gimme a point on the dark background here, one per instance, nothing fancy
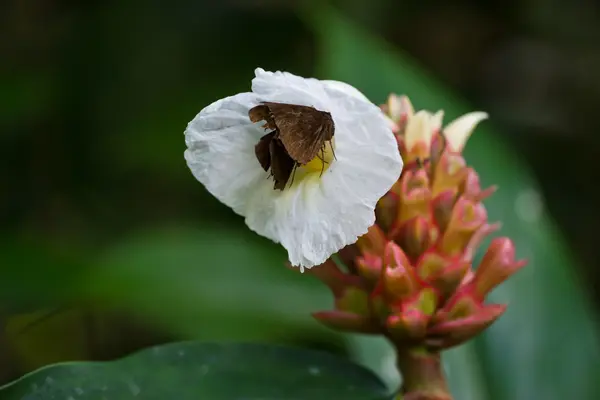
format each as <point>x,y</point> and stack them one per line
<point>99,210</point>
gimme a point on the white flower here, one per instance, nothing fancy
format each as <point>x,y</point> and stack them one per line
<point>326,207</point>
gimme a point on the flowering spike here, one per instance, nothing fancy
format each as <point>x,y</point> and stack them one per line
<point>412,280</point>
<point>497,265</point>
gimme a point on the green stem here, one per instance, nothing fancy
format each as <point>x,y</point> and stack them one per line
<point>422,375</point>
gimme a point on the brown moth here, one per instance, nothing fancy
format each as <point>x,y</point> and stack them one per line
<point>298,134</point>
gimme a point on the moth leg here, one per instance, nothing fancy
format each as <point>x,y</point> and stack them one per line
<point>322,157</point>
<point>332,151</point>
<point>323,161</point>
<point>293,174</point>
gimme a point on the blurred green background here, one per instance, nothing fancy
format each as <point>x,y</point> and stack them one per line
<point>110,245</point>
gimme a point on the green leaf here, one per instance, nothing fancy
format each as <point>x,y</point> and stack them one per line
<point>546,346</point>
<point>205,283</point>
<point>192,370</point>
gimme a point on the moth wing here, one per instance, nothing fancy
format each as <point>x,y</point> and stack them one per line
<point>302,130</point>
<point>282,164</point>
<point>263,152</point>
<point>262,113</point>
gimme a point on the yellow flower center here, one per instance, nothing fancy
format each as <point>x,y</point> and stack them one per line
<point>316,167</point>
<point>322,161</point>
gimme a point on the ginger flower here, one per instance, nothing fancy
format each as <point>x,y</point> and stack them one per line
<point>304,161</point>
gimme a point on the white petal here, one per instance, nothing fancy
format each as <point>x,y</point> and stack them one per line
<point>458,131</point>
<point>284,87</point>
<point>418,129</point>
<point>348,89</point>
<point>220,154</point>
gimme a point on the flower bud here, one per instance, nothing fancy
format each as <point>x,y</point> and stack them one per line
<point>373,241</point>
<point>481,233</point>
<point>462,304</point>
<point>417,137</point>
<point>412,318</point>
<point>387,210</point>
<point>431,264</point>
<point>497,265</point>
<point>399,108</point>
<point>415,195</point>
<point>415,236</point>
<point>444,274</point>
<point>467,217</point>
<point>399,280</point>
<point>353,299</point>
<point>437,149</point>
<point>454,332</point>
<point>379,305</point>
<point>369,267</point>
<point>449,173</point>
<point>425,301</point>
<point>442,206</point>
<point>471,187</point>
<point>348,255</point>
<point>410,324</point>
